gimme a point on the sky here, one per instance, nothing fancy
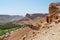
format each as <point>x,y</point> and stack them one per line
<point>21,7</point>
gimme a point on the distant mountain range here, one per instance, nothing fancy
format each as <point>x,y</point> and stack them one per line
<point>30,17</point>
<point>18,19</point>
<point>36,15</point>
<point>9,18</point>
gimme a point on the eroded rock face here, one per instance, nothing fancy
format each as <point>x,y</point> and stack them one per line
<point>54,7</point>
<point>54,14</point>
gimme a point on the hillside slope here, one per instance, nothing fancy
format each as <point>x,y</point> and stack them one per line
<point>52,33</point>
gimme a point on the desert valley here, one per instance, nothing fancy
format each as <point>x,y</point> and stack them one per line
<point>36,26</point>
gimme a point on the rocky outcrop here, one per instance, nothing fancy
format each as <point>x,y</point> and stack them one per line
<point>54,14</point>
<point>54,8</point>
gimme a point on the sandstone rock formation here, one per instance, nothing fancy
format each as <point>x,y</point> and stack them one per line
<point>54,11</point>
<point>54,14</point>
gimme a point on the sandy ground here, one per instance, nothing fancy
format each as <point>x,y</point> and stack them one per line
<point>52,33</point>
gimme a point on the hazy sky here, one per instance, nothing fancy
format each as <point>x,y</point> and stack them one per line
<point>21,7</point>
